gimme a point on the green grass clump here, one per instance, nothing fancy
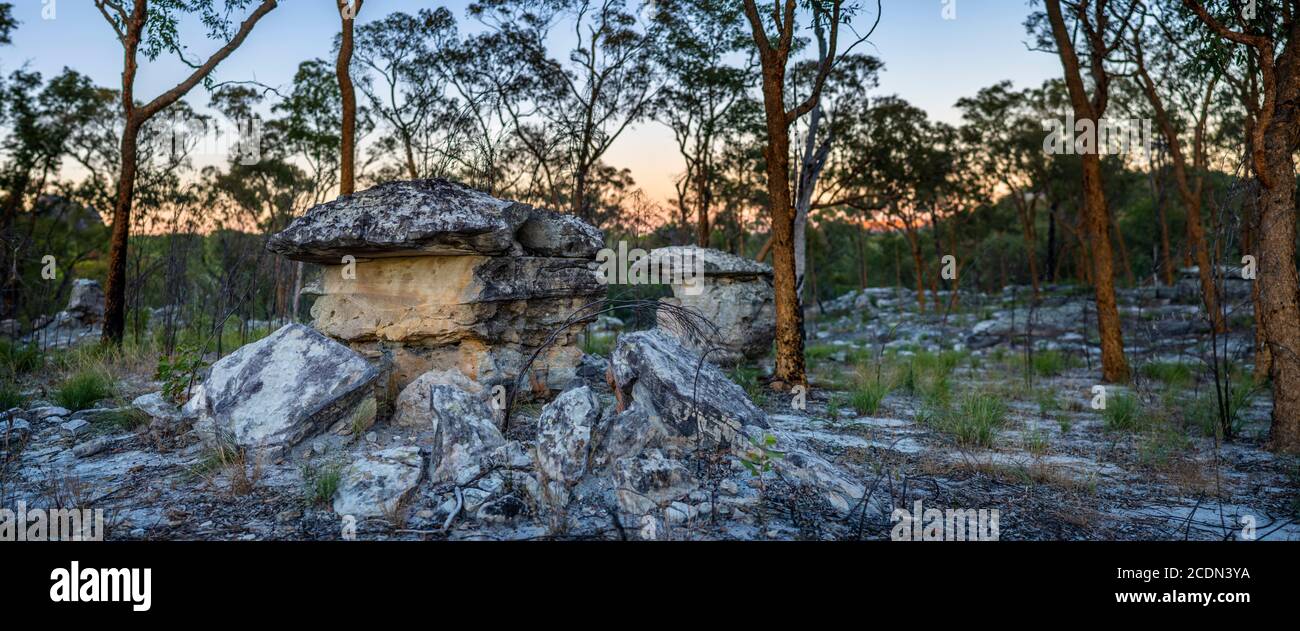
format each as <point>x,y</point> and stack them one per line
<point>977,419</point>
<point>1123,413</point>
<point>10,397</point>
<point>1050,363</point>
<point>16,359</point>
<point>820,351</point>
<point>1047,401</point>
<point>83,389</point>
<point>867,397</point>
<point>1177,374</point>
<point>128,419</point>
<point>321,483</point>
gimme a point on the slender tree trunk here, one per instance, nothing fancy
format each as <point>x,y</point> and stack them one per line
<point>342,68</point>
<point>1114,365</point>
<point>790,369</point>
<point>115,292</point>
<point>1051,243</point>
<point>1279,287</point>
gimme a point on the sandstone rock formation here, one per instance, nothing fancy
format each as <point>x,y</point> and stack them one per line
<point>277,391</point>
<point>441,276</point>
<point>732,293</point>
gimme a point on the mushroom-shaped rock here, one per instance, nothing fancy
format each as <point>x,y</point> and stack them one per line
<point>440,276</point>
<point>734,294</point>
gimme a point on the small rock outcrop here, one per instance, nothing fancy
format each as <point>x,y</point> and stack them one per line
<point>733,293</point>
<point>465,432</point>
<point>693,399</point>
<point>438,275</point>
<point>273,393</point>
<point>377,483</point>
<point>82,320</point>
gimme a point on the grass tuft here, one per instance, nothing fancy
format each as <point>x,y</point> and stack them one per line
<point>83,389</point>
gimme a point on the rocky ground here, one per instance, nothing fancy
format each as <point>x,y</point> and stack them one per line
<point>987,407</point>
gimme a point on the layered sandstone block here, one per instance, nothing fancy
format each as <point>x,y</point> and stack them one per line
<point>429,274</point>
<point>734,294</point>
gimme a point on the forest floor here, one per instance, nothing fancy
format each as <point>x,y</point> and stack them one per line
<point>954,411</point>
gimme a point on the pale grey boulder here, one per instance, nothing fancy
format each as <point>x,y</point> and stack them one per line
<point>694,400</point>
<point>86,301</point>
<point>376,484</point>
<point>548,233</point>
<point>414,407</point>
<point>650,481</point>
<point>564,442</point>
<point>157,407</point>
<point>434,217</point>
<point>276,392</point>
<point>465,434</point>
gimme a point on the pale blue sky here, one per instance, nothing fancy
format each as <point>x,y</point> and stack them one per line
<point>928,60</point>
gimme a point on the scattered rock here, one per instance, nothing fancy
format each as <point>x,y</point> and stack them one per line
<point>76,427</point>
<point>563,442</point>
<point>376,484</point>
<point>44,412</point>
<point>90,447</point>
<point>649,481</point>
<point>694,399</point>
<point>157,407</point>
<point>464,432</point>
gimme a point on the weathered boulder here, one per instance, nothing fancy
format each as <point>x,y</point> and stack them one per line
<point>414,407</point>
<point>157,407</point>
<point>465,434</point>
<point>732,293</point>
<point>442,276</point>
<point>86,301</point>
<point>564,442</point>
<point>273,393</point>
<point>694,400</point>
<point>376,484</point>
<point>650,480</point>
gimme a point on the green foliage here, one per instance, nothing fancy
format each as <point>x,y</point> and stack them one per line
<point>83,389</point>
<point>748,378</point>
<point>867,397</point>
<point>976,420</point>
<point>1047,401</point>
<point>10,397</point>
<point>19,359</point>
<point>599,345</point>
<point>759,457</point>
<point>178,371</point>
<point>820,351</point>
<point>1176,374</point>
<point>321,482</point>
<point>1052,363</point>
<point>1123,413</point>
<point>126,419</point>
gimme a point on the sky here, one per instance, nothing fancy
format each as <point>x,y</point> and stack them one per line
<point>929,60</point>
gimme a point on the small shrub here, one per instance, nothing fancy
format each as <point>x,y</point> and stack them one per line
<point>867,397</point>
<point>83,389</point>
<point>1123,413</point>
<point>321,483</point>
<point>976,420</point>
<point>177,372</point>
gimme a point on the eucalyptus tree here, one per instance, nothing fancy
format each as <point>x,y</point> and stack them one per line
<point>1269,37</point>
<point>348,11</point>
<point>152,28</point>
<point>709,69</point>
<point>1086,34</point>
<point>774,37</point>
